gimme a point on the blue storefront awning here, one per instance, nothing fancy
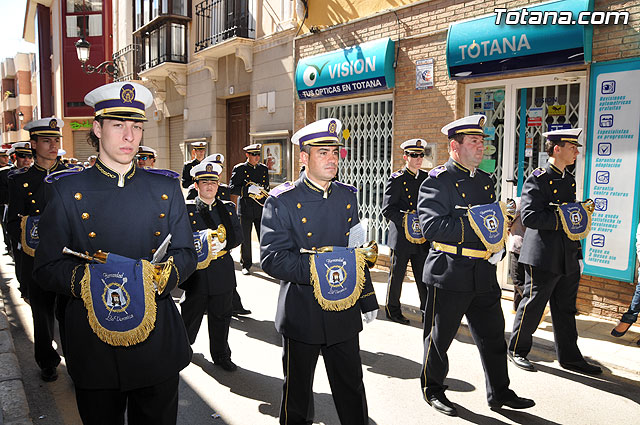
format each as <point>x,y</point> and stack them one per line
<point>480,47</point>
<point>364,67</point>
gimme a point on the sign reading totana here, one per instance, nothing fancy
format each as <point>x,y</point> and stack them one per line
<point>365,67</point>
<point>612,177</point>
<point>480,46</point>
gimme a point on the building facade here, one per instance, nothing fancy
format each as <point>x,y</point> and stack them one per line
<point>392,73</point>
<point>16,108</point>
<point>199,58</point>
<point>60,79</point>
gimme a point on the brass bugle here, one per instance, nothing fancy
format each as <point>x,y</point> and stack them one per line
<point>316,251</point>
<point>262,197</point>
<point>100,257</point>
<point>220,233</point>
<point>370,251</point>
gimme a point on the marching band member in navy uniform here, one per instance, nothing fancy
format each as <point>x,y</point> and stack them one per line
<point>5,166</point>
<point>460,272</point>
<point>124,213</point>
<point>146,157</point>
<point>211,287</point>
<point>198,150</point>
<point>27,200</point>
<point>398,206</point>
<point>223,192</point>
<point>250,181</point>
<point>22,157</point>
<point>552,261</point>
<point>309,214</point>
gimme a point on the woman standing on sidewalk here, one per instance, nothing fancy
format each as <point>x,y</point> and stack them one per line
<point>631,316</point>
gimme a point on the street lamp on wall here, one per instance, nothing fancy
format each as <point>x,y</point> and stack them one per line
<point>106,68</point>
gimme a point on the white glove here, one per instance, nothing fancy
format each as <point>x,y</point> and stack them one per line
<point>217,246</point>
<point>369,316</point>
<point>254,189</point>
<point>495,258</point>
<point>581,262</point>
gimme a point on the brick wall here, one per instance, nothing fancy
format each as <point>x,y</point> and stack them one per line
<point>422,30</point>
<point>604,297</point>
<point>612,42</point>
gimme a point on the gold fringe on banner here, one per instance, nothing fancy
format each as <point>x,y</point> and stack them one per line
<point>565,227</point>
<point>345,303</point>
<point>23,237</point>
<point>407,235</point>
<point>130,337</point>
<point>492,247</point>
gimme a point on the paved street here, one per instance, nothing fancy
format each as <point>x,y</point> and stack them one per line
<point>391,356</point>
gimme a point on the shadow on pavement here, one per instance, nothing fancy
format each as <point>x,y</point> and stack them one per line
<point>262,330</point>
<point>267,389</point>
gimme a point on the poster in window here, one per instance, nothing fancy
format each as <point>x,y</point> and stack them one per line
<point>273,157</point>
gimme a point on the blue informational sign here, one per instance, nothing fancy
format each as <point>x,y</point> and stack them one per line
<point>612,178</point>
<point>480,47</point>
<point>365,67</point>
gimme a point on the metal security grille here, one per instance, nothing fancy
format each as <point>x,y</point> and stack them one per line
<point>368,162</point>
<point>82,150</point>
<point>558,105</point>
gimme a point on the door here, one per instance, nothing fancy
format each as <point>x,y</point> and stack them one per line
<point>237,132</point>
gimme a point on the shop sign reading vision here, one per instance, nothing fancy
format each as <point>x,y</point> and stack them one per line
<point>612,178</point>
<point>365,67</point>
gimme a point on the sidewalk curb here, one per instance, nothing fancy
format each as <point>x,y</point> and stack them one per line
<point>13,399</point>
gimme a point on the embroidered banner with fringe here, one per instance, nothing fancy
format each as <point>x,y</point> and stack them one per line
<point>120,300</point>
<point>338,277</point>
<point>412,230</point>
<point>489,223</point>
<point>576,219</point>
<point>208,246</point>
<point>29,238</point>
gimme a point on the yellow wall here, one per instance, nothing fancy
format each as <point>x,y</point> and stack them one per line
<point>327,13</point>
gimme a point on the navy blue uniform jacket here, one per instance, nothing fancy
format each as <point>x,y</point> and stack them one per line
<point>545,243</point>
<point>448,186</point>
<point>88,212</point>
<point>220,276</point>
<point>401,194</point>
<point>302,218</point>
<point>241,175</point>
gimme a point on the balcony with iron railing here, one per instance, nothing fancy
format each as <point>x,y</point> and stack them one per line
<point>224,27</point>
<point>126,59</point>
<point>220,20</point>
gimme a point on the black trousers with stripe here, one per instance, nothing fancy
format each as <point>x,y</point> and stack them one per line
<point>443,313</point>
<point>156,404</point>
<point>344,370</point>
<point>399,261</point>
<point>540,287</point>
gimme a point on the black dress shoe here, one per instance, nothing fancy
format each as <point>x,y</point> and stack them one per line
<point>399,318</point>
<point>241,312</point>
<point>227,365</point>
<point>513,402</point>
<point>49,374</point>
<point>618,333</point>
<point>441,403</point>
<point>582,367</point>
<point>521,362</point>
